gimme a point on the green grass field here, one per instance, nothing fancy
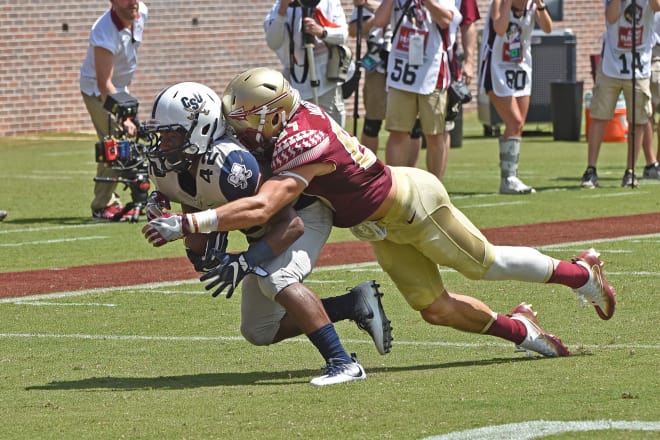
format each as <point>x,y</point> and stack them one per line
<point>167,361</point>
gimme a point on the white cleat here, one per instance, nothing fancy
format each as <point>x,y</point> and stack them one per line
<point>336,373</point>
<point>513,185</point>
<point>596,292</point>
<point>537,339</point>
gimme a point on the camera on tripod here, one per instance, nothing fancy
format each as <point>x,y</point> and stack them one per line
<point>126,155</point>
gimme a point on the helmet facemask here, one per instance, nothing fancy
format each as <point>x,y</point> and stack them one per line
<point>187,118</point>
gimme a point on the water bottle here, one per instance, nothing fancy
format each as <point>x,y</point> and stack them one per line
<point>587,99</point>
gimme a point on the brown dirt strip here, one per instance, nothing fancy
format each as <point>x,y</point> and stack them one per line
<point>16,284</point>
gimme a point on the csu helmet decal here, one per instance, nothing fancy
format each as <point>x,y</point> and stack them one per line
<point>195,105</point>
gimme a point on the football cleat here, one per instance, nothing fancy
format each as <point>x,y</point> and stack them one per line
<point>338,371</point>
<point>596,291</point>
<point>537,339</point>
<point>513,185</point>
<point>369,315</point>
<point>111,213</point>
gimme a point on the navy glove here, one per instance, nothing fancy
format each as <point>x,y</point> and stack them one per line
<point>230,273</point>
<point>216,246</point>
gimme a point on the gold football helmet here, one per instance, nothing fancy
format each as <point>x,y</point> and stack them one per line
<point>257,104</point>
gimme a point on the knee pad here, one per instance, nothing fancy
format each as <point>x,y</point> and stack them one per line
<point>371,127</point>
<point>416,131</point>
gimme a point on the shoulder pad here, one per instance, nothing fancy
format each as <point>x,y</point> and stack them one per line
<point>298,149</point>
<point>239,174</point>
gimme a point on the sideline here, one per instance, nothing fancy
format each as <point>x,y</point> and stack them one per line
<point>542,428</point>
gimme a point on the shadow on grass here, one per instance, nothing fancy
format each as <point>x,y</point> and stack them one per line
<point>53,221</point>
<point>187,381</point>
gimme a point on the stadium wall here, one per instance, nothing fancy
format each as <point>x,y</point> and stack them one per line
<point>43,42</point>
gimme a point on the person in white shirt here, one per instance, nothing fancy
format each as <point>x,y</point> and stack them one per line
<point>615,75</point>
<point>288,26</point>
<point>505,75</point>
<point>108,68</point>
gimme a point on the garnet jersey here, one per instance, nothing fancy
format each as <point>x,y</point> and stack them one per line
<point>225,173</point>
<point>359,183</point>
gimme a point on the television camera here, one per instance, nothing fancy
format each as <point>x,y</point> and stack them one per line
<point>126,154</point>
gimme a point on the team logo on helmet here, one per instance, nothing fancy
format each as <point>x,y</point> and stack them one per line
<point>239,175</point>
<point>195,105</point>
<point>240,114</point>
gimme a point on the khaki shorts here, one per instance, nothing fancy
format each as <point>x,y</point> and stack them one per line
<point>425,230</point>
<point>606,93</point>
<point>375,96</point>
<point>404,107</point>
<point>655,77</point>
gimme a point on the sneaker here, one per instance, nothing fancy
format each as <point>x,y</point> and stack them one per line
<point>590,178</point>
<point>597,292</point>
<point>369,315</point>
<point>339,371</point>
<point>537,339</point>
<point>3,215</point>
<point>111,213</point>
<point>513,185</point>
<point>629,180</point>
<point>652,171</point>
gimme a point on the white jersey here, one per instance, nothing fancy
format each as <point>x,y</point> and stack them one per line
<point>285,37</point>
<point>430,70</point>
<point>506,60</point>
<point>226,172</point>
<point>617,54</point>
<point>121,42</point>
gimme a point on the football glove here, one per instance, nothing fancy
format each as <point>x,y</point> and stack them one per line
<point>216,247</point>
<point>157,205</point>
<point>166,228</point>
<point>230,273</point>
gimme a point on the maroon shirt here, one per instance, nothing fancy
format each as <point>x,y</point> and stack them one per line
<point>359,183</point>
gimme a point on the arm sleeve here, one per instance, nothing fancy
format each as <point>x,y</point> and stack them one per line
<point>275,28</point>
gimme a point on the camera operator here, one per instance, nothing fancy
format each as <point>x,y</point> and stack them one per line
<point>109,65</point>
<point>290,25</point>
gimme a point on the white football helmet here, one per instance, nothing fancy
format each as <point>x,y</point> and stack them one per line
<point>192,109</point>
<point>257,104</point>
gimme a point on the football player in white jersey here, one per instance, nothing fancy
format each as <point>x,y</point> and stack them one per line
<point>505,74</point>
<point>197,165</point>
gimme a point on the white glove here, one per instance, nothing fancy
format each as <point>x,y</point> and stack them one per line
<point>162,230</point>
<point>157,205</point>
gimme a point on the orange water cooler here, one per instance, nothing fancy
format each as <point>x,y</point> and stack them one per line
<point>616,129</point>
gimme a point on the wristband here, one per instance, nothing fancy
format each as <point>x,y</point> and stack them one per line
<point>258,253</point>
<point>542,8</point>
<point>205,221</point>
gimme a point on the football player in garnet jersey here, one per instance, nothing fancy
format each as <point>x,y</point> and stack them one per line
<point>197,165</point>
<point>406,213</point>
